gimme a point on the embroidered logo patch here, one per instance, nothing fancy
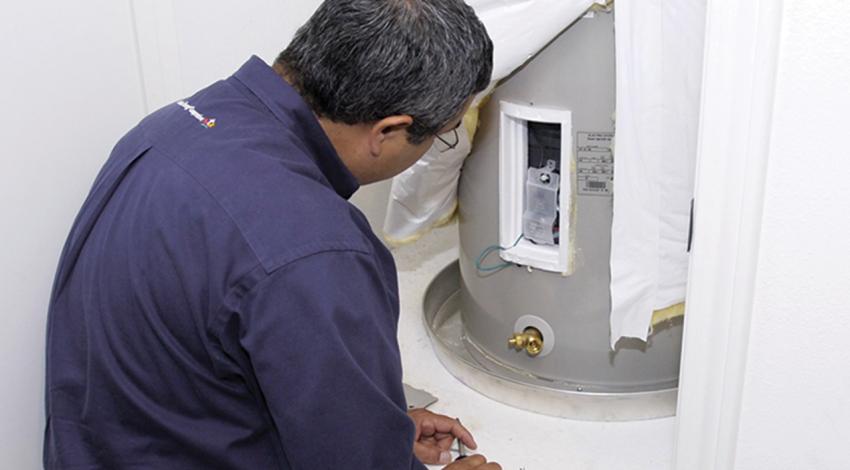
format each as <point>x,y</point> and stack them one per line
<point>209,123</point>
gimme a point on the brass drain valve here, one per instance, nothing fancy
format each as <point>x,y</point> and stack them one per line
<point>530,339</point>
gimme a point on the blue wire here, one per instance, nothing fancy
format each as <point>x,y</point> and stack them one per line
<point>484,254</point>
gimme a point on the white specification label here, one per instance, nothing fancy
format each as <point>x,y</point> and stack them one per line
<point>595,164</point>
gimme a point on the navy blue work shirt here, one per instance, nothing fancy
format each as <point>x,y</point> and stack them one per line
<point>219,303</point>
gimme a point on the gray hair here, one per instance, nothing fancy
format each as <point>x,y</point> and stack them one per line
<point>359,61</point>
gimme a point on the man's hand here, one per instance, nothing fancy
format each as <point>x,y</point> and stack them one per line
<point>473,462</point>
<point>435,435</point>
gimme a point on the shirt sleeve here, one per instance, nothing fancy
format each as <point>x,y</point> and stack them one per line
<point>321,337</point>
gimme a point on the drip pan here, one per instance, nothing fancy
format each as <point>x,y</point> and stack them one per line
<point>505,384</point>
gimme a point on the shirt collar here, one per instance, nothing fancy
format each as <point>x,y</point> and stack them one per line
<point>290,109</point>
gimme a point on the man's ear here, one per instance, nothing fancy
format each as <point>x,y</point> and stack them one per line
<point>388,129</point>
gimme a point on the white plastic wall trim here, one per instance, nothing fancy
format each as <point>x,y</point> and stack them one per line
<point>742,45</point>
<point>158,52</point>
<point>513,164</point>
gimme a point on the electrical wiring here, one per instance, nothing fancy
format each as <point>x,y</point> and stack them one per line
<point>490,249</point>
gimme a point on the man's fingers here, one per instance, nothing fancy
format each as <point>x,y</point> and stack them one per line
<point>473,462</point>
<point>431,455</point>
<point>430,424</point>
<point>489,466</point>
<point>453,426</point>
<point>443,435</point>
<point>427,426</point>
<point>445,443</point>
<point>440,424</point>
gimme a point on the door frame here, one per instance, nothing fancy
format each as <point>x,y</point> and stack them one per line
<point>739,74</point>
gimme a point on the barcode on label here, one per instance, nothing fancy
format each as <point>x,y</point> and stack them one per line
<point>597,184</point>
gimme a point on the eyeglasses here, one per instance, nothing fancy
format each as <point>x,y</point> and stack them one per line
<point>446,144</point>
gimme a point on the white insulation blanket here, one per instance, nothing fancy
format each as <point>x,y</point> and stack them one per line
<point>659,74</point>
<point>659,64</point>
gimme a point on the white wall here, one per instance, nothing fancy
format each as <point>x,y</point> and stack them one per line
<point>69,89</point>
<point>188,44</point>
<point>796,404</point>
<point>75,77</point>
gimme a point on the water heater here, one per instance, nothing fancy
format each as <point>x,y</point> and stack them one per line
<point>528,322</point>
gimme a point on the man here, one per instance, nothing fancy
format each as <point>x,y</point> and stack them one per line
<point>219,303</point>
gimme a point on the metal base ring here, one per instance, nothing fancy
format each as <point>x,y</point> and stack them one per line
<point>444,325</point>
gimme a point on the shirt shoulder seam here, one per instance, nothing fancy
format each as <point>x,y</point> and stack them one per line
<point>236,295</point>
<point>223,209</point>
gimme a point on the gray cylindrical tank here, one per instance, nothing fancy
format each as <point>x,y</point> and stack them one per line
<point>576,72</point>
